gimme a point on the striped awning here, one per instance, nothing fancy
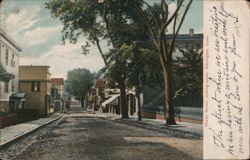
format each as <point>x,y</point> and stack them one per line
<point>112,100</point>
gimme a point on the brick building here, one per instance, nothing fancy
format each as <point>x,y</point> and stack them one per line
<point>59,84</point>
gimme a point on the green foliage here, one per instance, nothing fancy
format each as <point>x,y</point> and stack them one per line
<point>78,82</point>
<point>92,19</point>
<point>188,70</point>
<point>143,65</point>
<point>126,24</point>
<point>137,63</point>
<point>114,21</point>
<point>4,75</point>
<point>117,71</point>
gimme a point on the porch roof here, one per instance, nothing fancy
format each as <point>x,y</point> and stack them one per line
<point>18,95</point>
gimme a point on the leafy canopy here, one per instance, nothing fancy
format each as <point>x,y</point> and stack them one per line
<point>78,82</point>
<point>188,69</point>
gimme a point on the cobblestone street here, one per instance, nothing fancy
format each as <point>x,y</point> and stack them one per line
<point>85,136</point>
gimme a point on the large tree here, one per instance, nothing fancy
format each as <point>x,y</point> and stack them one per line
<point>116,21</point>
<point>78,82</point>
<point>142,68</point>
<point>160,22</point>
<point>113,21</point>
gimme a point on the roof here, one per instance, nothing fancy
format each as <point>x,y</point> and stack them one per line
<point>57,81</point>
<point>100,83</point>
<point>17,95</point>
<point>33,73</point>
<point>35,66</point>
<point>186,37</point>
<point>10,40</point>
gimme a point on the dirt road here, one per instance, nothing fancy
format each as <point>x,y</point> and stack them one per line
<point>91,138</point>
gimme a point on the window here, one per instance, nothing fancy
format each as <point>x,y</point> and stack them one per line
<point>7,56</point>
<point>6,87</point>
<point>36,86</point>
<point>12,86</point>
<point>13,63</point>
<point>0,51</point>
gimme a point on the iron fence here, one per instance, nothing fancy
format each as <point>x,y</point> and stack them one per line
<point>180,111</point>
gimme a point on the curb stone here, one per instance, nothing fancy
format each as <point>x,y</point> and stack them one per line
<point>166,129</point>
<point>23,135</point>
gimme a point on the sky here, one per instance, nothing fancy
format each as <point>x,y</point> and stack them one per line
<point>30,24</point>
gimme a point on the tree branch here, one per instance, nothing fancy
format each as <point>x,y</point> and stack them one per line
<point>166,10</point>
<point>151,30</point>
<point>151,14</point>
<point>162,31</point>
<point>162,10</point>
<point>178,92</point>
<point>172,17</point>
<point>107,26</point>
<point>175,20</point>
<point>100,49</point>
<point>179,26</point>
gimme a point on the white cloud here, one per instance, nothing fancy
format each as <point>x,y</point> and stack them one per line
<point>63,58</point>
<point>20,20</point>
<point>172,7</point>
<point>40,35</point>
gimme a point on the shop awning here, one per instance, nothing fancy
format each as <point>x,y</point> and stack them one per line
<point>18,96</point>
<point>112,100</point>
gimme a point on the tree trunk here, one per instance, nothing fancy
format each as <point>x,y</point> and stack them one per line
<point>82,102</point>
<point>87,104</point>
<point>123,103</point>
<point>138,92</point>
<point>169,113</point>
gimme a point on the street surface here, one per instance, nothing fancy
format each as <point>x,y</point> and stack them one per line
<point>82,136</point>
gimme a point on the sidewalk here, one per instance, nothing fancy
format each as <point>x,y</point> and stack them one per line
<point>181,127</point>
<point>12,133</point>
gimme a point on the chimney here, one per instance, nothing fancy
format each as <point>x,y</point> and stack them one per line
<point>191,31</point>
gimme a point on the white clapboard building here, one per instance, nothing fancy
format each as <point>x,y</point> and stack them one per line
<point>9,58</point>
